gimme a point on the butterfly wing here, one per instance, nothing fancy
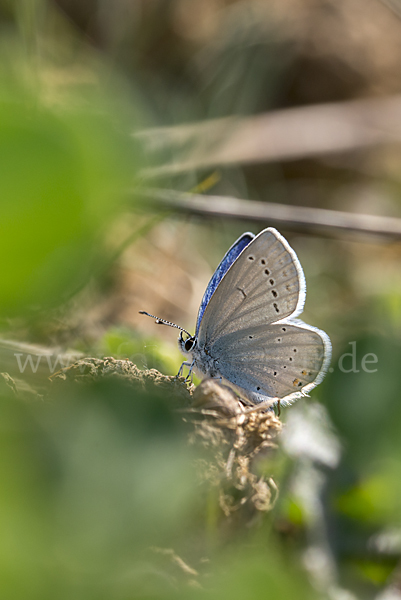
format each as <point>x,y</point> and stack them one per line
<point>228,259</point>
<point>264,285</point>
<point>273,361</point>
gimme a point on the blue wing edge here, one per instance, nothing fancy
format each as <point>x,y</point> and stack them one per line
<point>231,256</point>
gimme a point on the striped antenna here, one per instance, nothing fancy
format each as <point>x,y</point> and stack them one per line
<point>164,322</point>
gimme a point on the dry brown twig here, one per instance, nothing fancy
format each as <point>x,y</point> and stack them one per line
<point>293,217</point>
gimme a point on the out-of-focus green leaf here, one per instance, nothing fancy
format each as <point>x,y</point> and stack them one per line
<point>372,501</point>
<point>363,397</point>
<point>375,572</point>
<point>256,574</point>
<point>91,482</point>
<point>63,176</point>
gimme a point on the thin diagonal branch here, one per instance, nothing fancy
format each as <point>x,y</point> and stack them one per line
<point>292,217</point>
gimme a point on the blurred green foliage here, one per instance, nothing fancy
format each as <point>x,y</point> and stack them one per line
<point>96,484</point>
<point>64,172</point>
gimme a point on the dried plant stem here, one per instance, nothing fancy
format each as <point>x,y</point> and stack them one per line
<point>292,217</point>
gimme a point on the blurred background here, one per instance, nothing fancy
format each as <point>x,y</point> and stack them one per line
<point>102,105</point>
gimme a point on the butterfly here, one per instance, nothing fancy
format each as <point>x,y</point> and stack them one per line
<point>247,331</point>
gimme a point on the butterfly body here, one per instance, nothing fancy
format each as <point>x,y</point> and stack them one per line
<point>247,329</point>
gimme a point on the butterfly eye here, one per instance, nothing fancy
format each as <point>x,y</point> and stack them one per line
<point>190,344</point>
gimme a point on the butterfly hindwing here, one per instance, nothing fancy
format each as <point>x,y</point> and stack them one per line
<point>273,361</point>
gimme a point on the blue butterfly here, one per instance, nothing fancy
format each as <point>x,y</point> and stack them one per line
<point>247,330</point>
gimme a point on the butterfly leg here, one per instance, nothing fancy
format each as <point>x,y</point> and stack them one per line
<point>181,369</point>
<point>190,374</point>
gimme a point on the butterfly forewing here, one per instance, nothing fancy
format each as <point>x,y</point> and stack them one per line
<point>264,285</point>
<point>230,256</point>
<point>274,360</point>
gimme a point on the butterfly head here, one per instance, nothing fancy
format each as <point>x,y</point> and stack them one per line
<point>186,342</point>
